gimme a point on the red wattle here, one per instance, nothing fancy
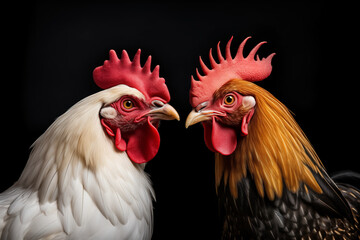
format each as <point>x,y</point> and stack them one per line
<point>219,138</point>
<point>140,145</point>
<point>207,135</point>
<point>143,144</point>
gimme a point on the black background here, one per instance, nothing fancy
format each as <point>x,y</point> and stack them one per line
<point>50,49</point>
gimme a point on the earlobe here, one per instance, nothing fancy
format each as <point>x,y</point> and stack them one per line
<point>108,112</point>
<point>248,102</point>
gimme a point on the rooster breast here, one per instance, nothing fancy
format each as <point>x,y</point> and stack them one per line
<point>304,214</point>
<point>112,203</point>
<point>91,208</point>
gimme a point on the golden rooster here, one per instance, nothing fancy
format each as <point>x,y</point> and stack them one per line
<point>269,180</point>
<point>85,176</point>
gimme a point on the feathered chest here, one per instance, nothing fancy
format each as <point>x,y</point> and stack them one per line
<point>121,204</point>
<point>80,203</point>
<point>298,215</point>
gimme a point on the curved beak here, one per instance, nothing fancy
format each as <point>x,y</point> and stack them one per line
<point>200,116</point>
<point>165,112</point>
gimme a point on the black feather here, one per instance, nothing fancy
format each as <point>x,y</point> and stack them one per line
<point>331,201</point>
<point>347,177</point>
<point>303,214</point>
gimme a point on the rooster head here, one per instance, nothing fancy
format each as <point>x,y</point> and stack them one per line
<point>132,120</point>
<point>222,108</point>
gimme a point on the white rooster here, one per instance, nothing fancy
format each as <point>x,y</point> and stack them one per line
<point>85,175</point>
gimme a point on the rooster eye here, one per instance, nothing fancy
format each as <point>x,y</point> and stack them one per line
<point>128,104</point>
<point>229,99</point>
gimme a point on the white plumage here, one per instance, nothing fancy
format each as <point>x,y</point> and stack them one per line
<point>77,185</point>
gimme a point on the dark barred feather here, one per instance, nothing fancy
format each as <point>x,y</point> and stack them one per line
<point>304,214</point>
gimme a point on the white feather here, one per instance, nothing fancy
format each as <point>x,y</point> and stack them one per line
<point>77,185</point>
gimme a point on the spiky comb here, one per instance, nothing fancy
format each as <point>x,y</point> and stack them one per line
<point>228,68</point>
<point>117,71</point>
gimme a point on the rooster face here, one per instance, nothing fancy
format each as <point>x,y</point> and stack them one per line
<point>133,123</point>
<point>132,120</point>
<point>219,103</point>
<point>227,112</point>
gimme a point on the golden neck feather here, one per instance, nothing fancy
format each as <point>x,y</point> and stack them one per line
<point>275,152</point>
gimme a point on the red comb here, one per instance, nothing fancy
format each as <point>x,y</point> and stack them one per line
<point>227,69</point>
<point>117,71</point>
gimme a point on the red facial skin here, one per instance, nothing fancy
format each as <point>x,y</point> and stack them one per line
<point>131,117</point>
<point>134,131</point>
<point>224,106</point>
<point>227,119</point>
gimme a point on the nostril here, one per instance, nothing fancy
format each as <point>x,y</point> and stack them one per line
<point>201,106</point>
<point>157,103</point>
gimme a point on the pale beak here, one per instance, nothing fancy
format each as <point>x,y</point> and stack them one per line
<point>200,116</point>
<point>165,112</point>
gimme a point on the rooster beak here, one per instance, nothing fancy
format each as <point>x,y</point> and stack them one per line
<point>196,117</point>
<point>200,116</point>
<point>165,112</point>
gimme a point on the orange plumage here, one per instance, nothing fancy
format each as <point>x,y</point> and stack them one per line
<point>275,150</point>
